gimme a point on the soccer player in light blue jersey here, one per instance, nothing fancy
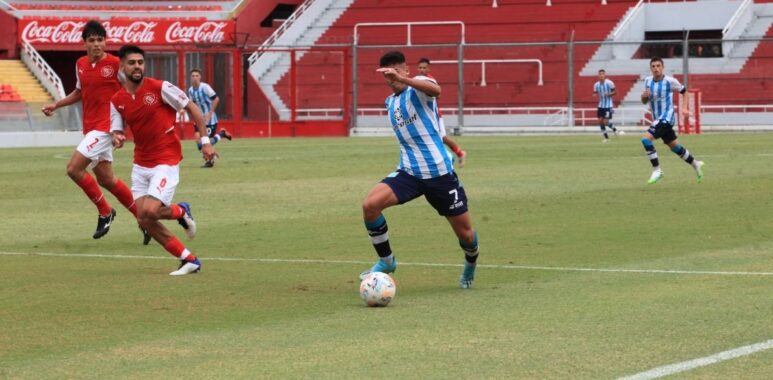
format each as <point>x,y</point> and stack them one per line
<point>205,97</point>
<point>425,168</point>
<point>604,89</point>
<point>659,94</point>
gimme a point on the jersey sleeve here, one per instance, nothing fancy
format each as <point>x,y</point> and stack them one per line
<point>612,86</point>
<point>116,120</point>
<point>676,86</point>
<point>208,91</point>
<point>423,96</point>
<point>77,78</point>
<point>173,96</point>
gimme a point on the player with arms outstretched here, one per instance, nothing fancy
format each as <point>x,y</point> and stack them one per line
<point>97,81</point>
<point>149,107</point>
<point>659,94</point>
<point>425,168</point>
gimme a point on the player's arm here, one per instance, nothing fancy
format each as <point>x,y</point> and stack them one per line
<point>428,87</point>
<point>116,127</point>
<point>215,102</point>
<point>71,98</point>
<point>684,108</point>
<point>613,92</point>
<point>645,96</point>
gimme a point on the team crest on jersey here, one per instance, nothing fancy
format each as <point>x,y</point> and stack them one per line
<point>107,71</point>
<point>150,99</point>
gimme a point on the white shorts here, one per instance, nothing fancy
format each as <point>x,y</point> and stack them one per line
<point>159,182</point>
<point>97,146</point>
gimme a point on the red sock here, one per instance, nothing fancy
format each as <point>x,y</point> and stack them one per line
<point>90,187</point>
<point>177,211</point>
<point>124,195</point>
<point>178,250</point>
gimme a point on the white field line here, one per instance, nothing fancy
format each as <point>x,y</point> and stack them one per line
<point>402,263</point>
<point>700,362</point>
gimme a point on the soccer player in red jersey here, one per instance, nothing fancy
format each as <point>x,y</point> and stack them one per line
<point>97,74</point>
<point>149,107</point>
<point>424,70</point>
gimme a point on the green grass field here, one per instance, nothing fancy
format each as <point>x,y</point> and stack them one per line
<point>282,242</point>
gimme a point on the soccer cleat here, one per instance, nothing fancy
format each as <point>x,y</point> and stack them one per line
<point>468,276</point>
<point>224,134</point>
<point>187,221</point>
<point>656,176</point>
<point>103,224</point>
<point>382,267</point>
<point>462,159</point>
<point>699,170</point>
<point>604,141</point>
<point>208,164</point>
<point>187,267</point>
<point>145,236</point>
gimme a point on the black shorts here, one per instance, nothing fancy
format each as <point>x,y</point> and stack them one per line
<point>663,130</point>
<point>604,113</point>
<point>445,193</point>
<point>211,130</point>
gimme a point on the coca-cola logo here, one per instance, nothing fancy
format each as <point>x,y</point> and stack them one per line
<point>66,32</point>
<point>209,32</point>
<point>138,32</point>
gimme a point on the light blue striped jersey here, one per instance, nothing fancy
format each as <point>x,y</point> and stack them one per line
<point>413,115</point>
<point>203,96</point>
<point>662,98</point>
<point>603,89</point>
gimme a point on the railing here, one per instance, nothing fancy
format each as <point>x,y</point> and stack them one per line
<point>40,68</point>
<point>408,25</point>
<point>736,16</point>
<point>636,9</point>
<point>279,31</point>
<point>483,63</point>
<point>747,108</point>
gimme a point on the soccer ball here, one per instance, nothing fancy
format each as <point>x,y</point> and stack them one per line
<point>377,289</point>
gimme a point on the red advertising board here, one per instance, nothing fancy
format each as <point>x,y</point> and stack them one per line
<point>129,31</point>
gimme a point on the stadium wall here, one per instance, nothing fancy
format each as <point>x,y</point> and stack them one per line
<point>8,25</point>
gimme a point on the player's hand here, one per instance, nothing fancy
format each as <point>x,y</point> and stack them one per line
<point>207,151</point>
<point>48,109</point>
<point>389,72</point>
<point>118,140</point>
<point>646,93</point>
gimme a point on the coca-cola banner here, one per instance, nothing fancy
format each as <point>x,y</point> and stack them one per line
<point>130,31</point>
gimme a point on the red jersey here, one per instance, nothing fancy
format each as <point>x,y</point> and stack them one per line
<point>150,113</point>
<point>97,82</point>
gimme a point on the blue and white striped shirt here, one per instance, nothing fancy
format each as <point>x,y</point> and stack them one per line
<point>413,115</point>
<point>662,98</point>
<point>604,91</point>
<point>203,96</point>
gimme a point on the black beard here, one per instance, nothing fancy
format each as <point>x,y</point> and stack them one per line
<point>135,81</point>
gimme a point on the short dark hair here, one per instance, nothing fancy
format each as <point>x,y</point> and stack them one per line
<point>130,49</point>
<point>391,58</point>
<point>602,71</point>
<point>656,59</point>
<point>93,28</point>
<point>195,71</point>
<point>424,60</point>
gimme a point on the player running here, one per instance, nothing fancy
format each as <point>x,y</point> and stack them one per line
<point>207,100</point>
<point>149,107</point>
<point>425,168</point>
<point>604,89</point>
<point>659,94</point>
<point>97,81</point>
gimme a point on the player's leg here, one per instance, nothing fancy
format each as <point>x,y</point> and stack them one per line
<point>447,195</point>
<point>685,155</point>
<point>608,121</point>
<point>107,179</point>
<point>647,139</point>
<point>214,138</point>
<point>397,188</point>
<point>150,210</point>
<point>600,113</point>
<point>76,169</point>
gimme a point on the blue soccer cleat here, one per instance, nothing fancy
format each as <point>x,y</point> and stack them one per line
<point>468,276</point>
<point>382,267</point>
<point>187,221</point>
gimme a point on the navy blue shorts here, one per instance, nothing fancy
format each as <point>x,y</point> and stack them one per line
<point>663,130</point>
<point>211,130</point>
<point>444,193</point>
<point>604,113</point>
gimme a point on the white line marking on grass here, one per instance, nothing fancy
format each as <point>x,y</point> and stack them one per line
<point>402,263</point>
<point>700,362</point>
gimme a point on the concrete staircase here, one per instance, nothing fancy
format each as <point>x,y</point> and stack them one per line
<point>15,73</point>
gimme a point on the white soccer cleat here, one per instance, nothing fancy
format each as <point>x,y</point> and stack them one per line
<point>604,141</point>
<point>698,166</point>
<point>656,176</point>
<point>187,267</point>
